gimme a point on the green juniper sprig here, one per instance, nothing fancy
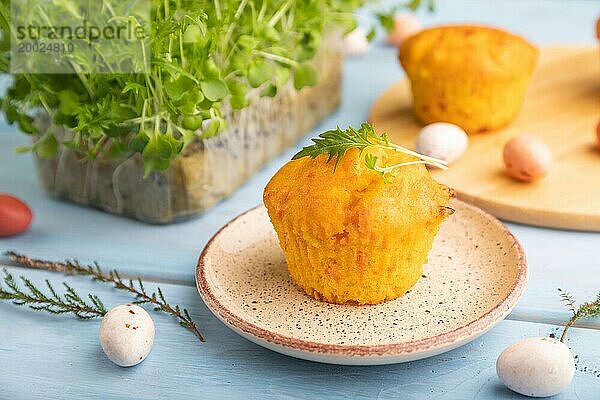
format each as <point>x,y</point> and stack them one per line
<point>134,286</point>
<point>335,143</point>
<point>586,310</point>
<point>53,303</point>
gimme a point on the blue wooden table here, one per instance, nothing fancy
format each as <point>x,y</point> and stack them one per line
<point>47,357</point>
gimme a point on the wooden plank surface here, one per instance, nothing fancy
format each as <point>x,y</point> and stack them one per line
<point>60,357</point>
<point>561,106</point>
<point>556,258</point>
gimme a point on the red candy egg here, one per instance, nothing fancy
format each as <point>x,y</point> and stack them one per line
<point>15,215</point>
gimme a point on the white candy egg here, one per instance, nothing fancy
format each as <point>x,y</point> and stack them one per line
<point>536,367</point>
<point>442,140</point>
<point>127,334</point>
<point>356,43</point>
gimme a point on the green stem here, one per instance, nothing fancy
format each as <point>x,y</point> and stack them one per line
<point>404,164</point>
<point>277,16</point>
<point>431,160</point>
<point>240,9</point>
<point>275,57</point>
<point>218,9</point>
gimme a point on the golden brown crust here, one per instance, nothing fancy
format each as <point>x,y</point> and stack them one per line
<point>468,75</point>
<point>349,235</point>
<point>468,49</point>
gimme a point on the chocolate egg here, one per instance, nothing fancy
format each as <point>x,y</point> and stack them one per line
<point>527,158</point>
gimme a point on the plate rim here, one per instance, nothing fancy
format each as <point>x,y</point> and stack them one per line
<point>472,329</point>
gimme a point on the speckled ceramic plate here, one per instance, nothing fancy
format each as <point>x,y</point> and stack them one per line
<point>476,274</point>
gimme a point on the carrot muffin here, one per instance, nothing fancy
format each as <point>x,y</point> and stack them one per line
<point>471,76</point>
<point>353,236</point>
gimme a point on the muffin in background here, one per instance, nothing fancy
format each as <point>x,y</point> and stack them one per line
<point>350,236</point>
<point>471,76</point>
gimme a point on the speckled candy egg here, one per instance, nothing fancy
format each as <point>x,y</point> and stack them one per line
<point>527,158</point>
<point>443,141</point>
<point>536,367</point>
<point>356,43</point>
<point>127,335</point>
<point>405,25</point>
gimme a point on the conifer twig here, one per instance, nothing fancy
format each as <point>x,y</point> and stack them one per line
<point>586,310</point>
<point>53,303</point>
<point>157,299</point>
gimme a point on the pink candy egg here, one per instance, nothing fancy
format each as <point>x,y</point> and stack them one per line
<point>527,158</point>
<point>405,25</point>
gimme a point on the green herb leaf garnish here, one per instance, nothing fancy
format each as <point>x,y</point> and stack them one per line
<point>335,143</point>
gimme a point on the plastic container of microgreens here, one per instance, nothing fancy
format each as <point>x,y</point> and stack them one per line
<point>208,170</point>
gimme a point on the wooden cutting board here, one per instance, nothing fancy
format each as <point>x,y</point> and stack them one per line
<point>562,106</point>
